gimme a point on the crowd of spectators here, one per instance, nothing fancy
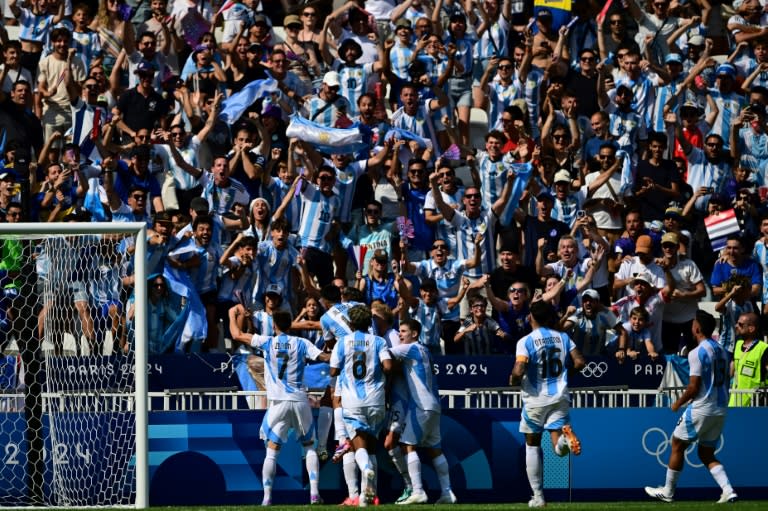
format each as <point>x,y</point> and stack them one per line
<point>609,142</point>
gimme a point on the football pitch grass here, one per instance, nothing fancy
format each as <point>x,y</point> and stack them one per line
<point>579,506</point>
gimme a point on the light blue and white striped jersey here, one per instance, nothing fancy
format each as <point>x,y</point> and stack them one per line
<point>274,266</point>
<point>493,42</point>
<point>400,58</point>
<point>628,128</point>
<point>710,362</point>
<point>359,357</point>
<point>230,288</point>
<point>448,279</point>
<point>702,172</point>
<point>88,47</point>
<point>292,214</point>
<point>663,94</point>
<point>730,105</point>
<point>546,378</point>
<point>466,231</point>
<point>108,284</point>
<point>500,97</point>
<point>34,27</point>
<point>346,179</point>
<point>316,111</point>
<point>354,82</point>
<point>380,237</point>
<point>263,324</point>
<point>493,175</point>
<point>761,80</point>
<point>465,49</point>
<point>431,319</point>
<point>204,276</point>
<point>335,321</point>
<point>531,94</point>
<point>285,358</point>
<point>421,124</point>
<point>753,148</point>
<point>222,198</point>
<point>760,254</point>
<point>317,213</point>
<point>444,230</point>
<point>417,371</point>
<point>182,179</point>
<point>591,335</point>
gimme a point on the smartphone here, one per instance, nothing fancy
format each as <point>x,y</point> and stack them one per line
<point>710,189</point>
<point>581,213</point>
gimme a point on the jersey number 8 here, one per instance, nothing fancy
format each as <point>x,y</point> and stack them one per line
<point>359,366</point>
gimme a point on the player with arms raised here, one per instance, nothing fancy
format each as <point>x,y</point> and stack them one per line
<point>541,367</point>
<point>703,420</point>
<point>360,360</point>
<point>285,357</point>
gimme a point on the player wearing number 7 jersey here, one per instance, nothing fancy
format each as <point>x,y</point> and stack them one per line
<point>703,420</point>
<point>361,360</point>
<point>541,366</point>
<point>285,358</point>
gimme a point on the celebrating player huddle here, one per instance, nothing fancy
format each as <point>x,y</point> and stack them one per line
<point>370,370</point>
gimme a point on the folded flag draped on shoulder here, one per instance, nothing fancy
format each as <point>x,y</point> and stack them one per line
<point>87,121</point>
<point>627,173</point>
<point>330,140</point>
<point>401,134</point>
<point>720,226</point>
<point>234,106</point>
<point>191,324</point>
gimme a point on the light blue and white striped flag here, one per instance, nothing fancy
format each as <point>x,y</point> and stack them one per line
<point>234,106</point>
<point>330,140</point>
<point>401,134</point>
<point>523,171</point>
<point>191,324</point>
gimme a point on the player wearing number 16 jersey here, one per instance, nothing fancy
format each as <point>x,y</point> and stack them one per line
<point>360,360</point>
<point>285,358</point>
<point>542,363</point>
<point>703,420</point>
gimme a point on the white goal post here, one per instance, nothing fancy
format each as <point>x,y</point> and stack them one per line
<point>73,398</point>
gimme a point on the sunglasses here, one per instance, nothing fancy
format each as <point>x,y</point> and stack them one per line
<point>617,22</point>
<point>516,290</point>
<point>439,247</point>
<point>471,195</point>
<point>559,137</point>
<point>92,87</point>
<point>505,67</point>
<point>326,178</point>
<point>139,196</point>
<point>373,211</point>
<point>309,14</point>
<point>177,133</point>
<point>587,59</point>
<point>142,137</point>
<point>715,145</point>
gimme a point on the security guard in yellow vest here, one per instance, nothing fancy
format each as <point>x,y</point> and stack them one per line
<point>749,368</point>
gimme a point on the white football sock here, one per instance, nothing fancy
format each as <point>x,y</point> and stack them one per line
<point>340,431</point>
<point>350,474</point>
<point>671,483</point>
<point>721,478</point>
<point>414,470</point>
<point>324,417</point>
<point>268,472</point>
<point>534,467</point>
<point>443,473</point>
<point>313,470</point>
<point>401,465</point>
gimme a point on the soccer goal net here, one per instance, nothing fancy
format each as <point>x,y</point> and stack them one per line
<point>73,406</point>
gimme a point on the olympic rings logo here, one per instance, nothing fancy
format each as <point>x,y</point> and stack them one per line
<point>659,438</point>
<point>594,369</point>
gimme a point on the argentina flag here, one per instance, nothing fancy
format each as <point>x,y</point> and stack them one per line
<point>401,134</point>
<point>330,140</point>
<point>234,106</point>
<point>523,171</point>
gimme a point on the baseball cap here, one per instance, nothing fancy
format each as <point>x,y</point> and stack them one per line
<point>403,23</point>
<point>145,67</point>
<point>726,69</point>
<point>381,255</point>
<point>331,79</point>
<point>291,19</point>
<point>696,40</point>
<point>544,13</point>
<point>642,277</point>
<point>590,293</point>
<point>8,175</point>
<point>201,47</point>
<point>260,18</point>
<point>562,176</point>
<point>673,57</point>
<point>644,244</point>
<point>274,289</point>
<point>673,212</point>
<point>545,195</point>
<point>670,237</point>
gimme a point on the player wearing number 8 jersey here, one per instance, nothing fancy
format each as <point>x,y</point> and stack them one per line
<point>360,360</point>
<point>704,418</point>
<point>542,363</point>
<point>285,358</point>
